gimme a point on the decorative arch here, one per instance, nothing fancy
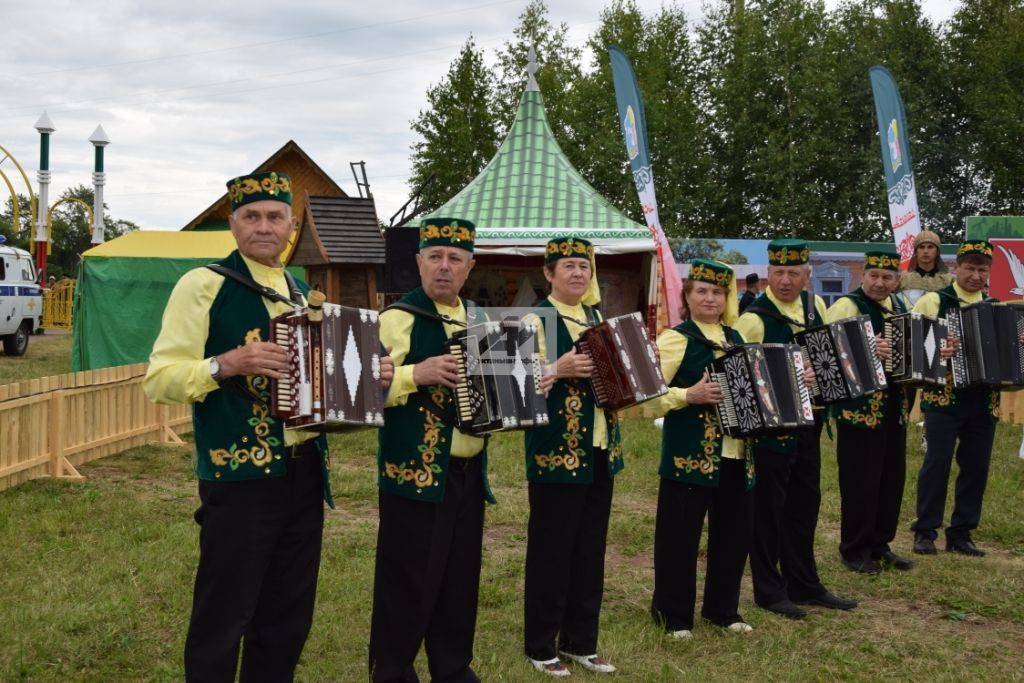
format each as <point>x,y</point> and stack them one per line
<point>14,196</point>
<point>49,218</point>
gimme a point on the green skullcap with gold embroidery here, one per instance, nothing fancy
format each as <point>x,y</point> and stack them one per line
<point>978,247</point>
<point>447,232</point>
<point>256,187</point>
<point>788,252</point>
<point>886,259</point>
<point>568,247</point>
<point>708,270</point>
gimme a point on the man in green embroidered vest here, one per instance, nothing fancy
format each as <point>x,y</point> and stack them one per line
<point>432,477</point>
<point>871,436</point>
<point>570,465</point>
<point>967,415</point>
<point>926,271</point>
<point>261,487</point>
<point>788,491</point>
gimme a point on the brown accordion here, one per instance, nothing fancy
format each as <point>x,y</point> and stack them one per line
<point>333,379</point>
<point>990,352</point>
<point>500,367</point>
<point>626,369</point>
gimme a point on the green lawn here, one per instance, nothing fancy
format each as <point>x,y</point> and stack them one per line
<point>96,576</point>
<point>48,354</point>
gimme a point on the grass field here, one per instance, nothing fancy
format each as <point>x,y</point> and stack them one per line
<point>96,576</point>
<point>48,354</point>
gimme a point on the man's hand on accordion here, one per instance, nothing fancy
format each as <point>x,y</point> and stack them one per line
<point>882,346</point>
<point>949,347</point>
<point>574,364</point>
<point>387,371</point>
<point>442,370</point>
<point>259,358</point>
<point>704,391</point>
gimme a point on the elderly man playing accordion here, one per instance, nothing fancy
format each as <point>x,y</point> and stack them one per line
<point>703,471</point>
<point>871,441</point>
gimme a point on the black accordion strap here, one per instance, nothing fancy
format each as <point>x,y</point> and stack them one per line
<point>416,310</point>
<point>236,386</point>
<point>715,346</point>
<point>265,292</point>
<point>777,316</point>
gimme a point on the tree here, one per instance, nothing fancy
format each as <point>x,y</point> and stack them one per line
<point>685,250</point>
<point>71,231</point>
<point>457,131</point>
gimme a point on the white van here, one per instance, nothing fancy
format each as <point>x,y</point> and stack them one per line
<point>21,299</point>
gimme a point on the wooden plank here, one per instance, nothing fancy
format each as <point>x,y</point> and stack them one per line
<point>111,439</point>
<point>57,434</point>
<point>24,465</point>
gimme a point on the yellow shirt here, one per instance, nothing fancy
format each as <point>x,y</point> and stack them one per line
<point>928,304</point>
<point>178,371</point>
<point>751,328</point>
<point>671,349</point>
<point>846,308</point>
<point>395,334</point>
<point>577,312</point>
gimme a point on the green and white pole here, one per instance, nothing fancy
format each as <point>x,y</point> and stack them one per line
<point>45,127</point>
<point>99,140</point>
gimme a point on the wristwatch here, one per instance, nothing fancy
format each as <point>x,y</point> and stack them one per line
<point>215,369</point>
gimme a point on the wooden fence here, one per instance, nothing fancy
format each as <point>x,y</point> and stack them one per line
<point>50,425</point>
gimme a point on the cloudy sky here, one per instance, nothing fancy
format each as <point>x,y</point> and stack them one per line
<point>192,93</point>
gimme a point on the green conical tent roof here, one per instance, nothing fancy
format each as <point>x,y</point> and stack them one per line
<point>530,192</point>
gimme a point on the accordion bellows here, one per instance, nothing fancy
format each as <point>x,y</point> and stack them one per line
<point>333,381</point>
<point>844,358</point>
<point>499,368</point>
<point>626,370</point>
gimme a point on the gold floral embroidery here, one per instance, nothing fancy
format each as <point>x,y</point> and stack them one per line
<point>707,464</point>
<point>261,453</point>
<point>422,476</point>
<point>571,460</point>
<point>870,419</point>
<point>943,398</point>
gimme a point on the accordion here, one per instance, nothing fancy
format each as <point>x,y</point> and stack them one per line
<point>990,352</point>
<point>845,361</point>
<point>916,341</point>
<point>763,389</point>
<point>333,379</point>
<point>626,369</point>
<point>499,366</point>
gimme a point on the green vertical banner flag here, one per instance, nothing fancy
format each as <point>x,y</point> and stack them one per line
<point>899,177</point>
<point>634,130</point>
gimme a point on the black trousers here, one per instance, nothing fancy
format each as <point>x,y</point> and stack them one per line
<point>567,534</point>
<point>259,557</point>
<point>681,510</point>
<point>786,501</point>
<point>974,429</point>
<point>427,579</point>
<point>872,472</point>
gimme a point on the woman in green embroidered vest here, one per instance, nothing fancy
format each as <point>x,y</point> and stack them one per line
<point>871,433</point>
<point>570,465</point>
<point>702,470</point>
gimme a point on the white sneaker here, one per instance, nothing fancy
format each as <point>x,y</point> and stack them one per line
<point>591,663</point>
<point>682,634</point>
<point>551,667</point>
<point>740,627</point>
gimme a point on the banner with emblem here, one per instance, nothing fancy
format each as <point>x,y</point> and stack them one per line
<point>634,130</point>
<point>899,178</point>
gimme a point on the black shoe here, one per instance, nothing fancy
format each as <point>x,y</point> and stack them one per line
<point>869,567</point>
<point>785,608</point>
<point>964,547</point>
<point>830,601</point>
<point>895,561</point>
<point>924,546</point>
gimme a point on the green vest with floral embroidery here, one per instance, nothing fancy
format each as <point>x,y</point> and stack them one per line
<point>236,437</point>
<point>868,412</point>
<point>945,399</point>
<point>414,446</point>
<point>691,438</point>
<point>563,451</point>
<point>779,332</point>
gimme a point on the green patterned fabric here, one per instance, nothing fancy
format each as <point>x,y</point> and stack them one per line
<point>530,184</point>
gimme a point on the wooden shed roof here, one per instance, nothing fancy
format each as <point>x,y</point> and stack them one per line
<point>339,230</point>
